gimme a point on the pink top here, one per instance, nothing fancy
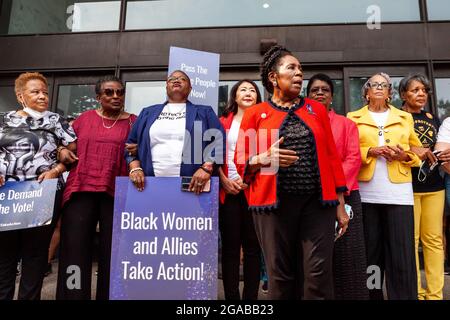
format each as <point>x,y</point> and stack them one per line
<point>100,152</point>
<point>346,137</point>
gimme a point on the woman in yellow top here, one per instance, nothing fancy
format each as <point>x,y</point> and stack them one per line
<point>385,136</point>
<point>429,189</point>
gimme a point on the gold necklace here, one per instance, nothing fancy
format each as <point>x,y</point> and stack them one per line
<point>103,120</point>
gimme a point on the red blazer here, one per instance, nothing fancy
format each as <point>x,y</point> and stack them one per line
<point>263,118</point>
<point>346,137</point>
<point>226,123</point>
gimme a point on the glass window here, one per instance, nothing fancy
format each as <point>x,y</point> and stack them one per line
<point>356,100</point>
<point>338,96</point>
<point>75,99</point>
<point>166,14</point>
<point>438,10</point>
<point>443,98</point>
<point>58,16</point>
<point>143,94</point>
<point>8,101</point>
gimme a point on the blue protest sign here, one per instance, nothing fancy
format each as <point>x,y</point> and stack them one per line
<point>165,241</point>
<point>26,204</point>
<point>203,69</point>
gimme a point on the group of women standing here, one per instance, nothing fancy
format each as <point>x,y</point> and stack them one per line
<point>37,144</point>
<point>378,149</point>
<point>322,197</point>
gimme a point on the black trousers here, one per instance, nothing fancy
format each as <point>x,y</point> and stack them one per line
<point>79,220</point>
<point>297,243</point>
<point>236,230</point>
<point>30,246</point>
<point>389,237</point>
<point>349,261</point>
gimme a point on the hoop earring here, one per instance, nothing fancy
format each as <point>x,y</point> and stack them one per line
<point>388,99</point>
<point>274,83</point>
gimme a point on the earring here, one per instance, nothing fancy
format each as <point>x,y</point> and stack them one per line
<point>274,83</point>
<point>388,99</point>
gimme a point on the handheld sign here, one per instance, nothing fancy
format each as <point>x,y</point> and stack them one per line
<point>203,69</point>
<point>165,241</point>
<point>26,204</point>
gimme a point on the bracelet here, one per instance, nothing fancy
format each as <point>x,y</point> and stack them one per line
<point>136,169</point>
<point>58,151</point>
<point>206,170</point>
<point>57,170</point>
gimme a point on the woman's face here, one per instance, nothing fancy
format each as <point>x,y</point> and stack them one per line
<point>112,96</point>
<point>321,91</point>
<point>20,147</point>
<point>416,95</point>
<point>378,89</point>
<point>289,76</point>
<point>246,95</point>
<point>35,95</point>
<point>178,87</point>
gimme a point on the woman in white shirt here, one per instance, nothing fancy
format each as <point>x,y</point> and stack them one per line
<point>235,221</point>
<point>171,138</point>
<point>385,184</point>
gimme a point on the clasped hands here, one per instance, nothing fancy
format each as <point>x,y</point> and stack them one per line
<point>233,186</point>
<point>390,153</point>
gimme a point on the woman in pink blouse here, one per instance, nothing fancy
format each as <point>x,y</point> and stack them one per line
<point>89,195</point>
<point>349,262</point>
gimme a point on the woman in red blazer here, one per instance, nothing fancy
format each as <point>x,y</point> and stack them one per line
<point>349,262</point>
<point>235,221</point>
<point>295,182</point>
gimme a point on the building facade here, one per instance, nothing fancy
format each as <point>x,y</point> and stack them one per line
<point>75,42</point>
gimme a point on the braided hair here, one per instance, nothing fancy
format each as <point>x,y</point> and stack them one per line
<point>270,63</point>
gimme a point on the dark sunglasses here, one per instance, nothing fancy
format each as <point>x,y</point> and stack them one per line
<point>110,92</point>
<point>317,89</point>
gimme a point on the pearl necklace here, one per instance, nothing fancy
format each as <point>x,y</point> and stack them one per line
<point>103,120</point>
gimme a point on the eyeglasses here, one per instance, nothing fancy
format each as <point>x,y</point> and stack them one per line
<point>173,79</point>
<point>110,92</point>
<point>416,90</point>
<point>315,90</point>
<point>376,85</point>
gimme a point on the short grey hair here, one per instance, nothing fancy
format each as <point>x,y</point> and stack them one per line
<point>366,85</point>
<point>406,81</point>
